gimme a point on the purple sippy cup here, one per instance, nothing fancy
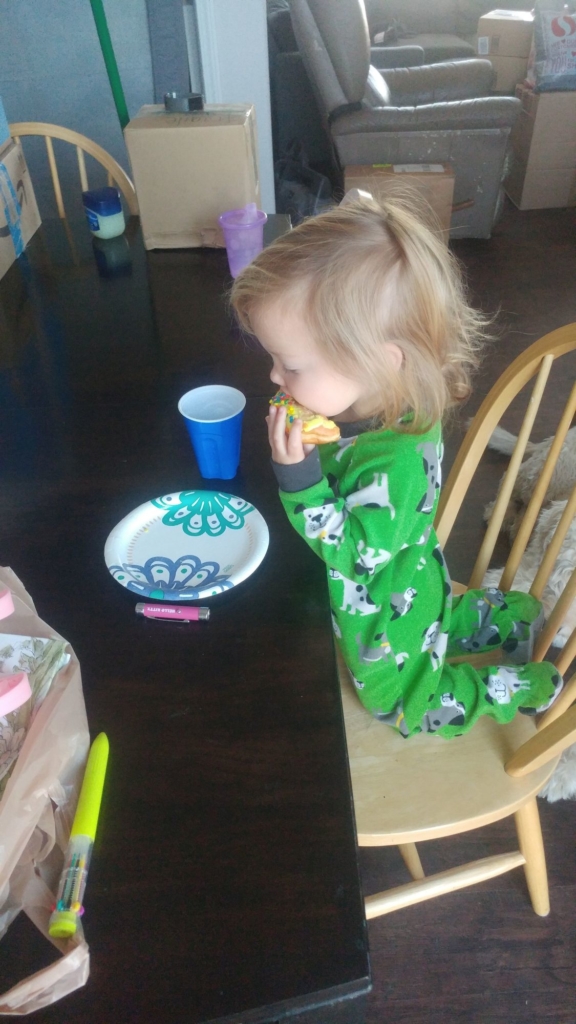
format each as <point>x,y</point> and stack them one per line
<point>243,234</point>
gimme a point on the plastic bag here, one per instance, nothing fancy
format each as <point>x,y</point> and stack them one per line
<point>36,812</point>
<point>300,191</point>
<point>552,61</point>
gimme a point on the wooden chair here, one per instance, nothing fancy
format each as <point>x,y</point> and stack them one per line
<point>406,791</point>
<point>116,175</point>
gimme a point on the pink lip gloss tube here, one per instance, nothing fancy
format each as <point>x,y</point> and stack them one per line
<point>6,603</point>
<point>175,612</point>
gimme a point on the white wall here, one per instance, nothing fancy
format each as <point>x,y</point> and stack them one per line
<point>233,45</point>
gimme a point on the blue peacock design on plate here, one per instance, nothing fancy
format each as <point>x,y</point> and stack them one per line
<point>204,512</point>
<point>142,564</point>
<point>186,579</point>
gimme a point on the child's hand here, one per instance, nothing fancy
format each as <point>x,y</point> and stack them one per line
<point>287,449</point>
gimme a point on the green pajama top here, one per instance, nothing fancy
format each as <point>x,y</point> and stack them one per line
<point>368,514</point>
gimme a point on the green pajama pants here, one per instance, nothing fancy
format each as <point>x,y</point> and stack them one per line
<point>459,694</point>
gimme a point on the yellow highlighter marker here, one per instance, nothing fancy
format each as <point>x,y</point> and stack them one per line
<point>68,908</point>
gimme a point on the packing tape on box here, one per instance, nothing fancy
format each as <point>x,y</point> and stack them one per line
<point>4,129</point>
<point>12,211</point>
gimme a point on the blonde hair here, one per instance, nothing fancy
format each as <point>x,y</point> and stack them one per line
<point>371,272</point>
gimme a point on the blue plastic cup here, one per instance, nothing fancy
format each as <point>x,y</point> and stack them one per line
<point>213,417</point>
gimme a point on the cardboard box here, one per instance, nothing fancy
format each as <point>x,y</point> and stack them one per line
<point>434,182</point>
<point>549,120</point>
<point>17,197</point>
<point>540,189</point>
<point>505,33</point>
<point>528,99</point>
<point>547,142</point>
<point>543,143</point>
<point>189,168</point>
<point>509,72</point>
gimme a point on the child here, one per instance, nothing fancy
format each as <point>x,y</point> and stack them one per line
<point>363,313</point>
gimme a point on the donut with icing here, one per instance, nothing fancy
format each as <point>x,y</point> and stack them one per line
<point>316,429</point>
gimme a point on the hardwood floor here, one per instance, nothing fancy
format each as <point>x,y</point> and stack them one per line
<point>481,956</point>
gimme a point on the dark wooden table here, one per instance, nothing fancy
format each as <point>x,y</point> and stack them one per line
<point>224,884</point>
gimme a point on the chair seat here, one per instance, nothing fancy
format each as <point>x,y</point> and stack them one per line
<point>428,804</point>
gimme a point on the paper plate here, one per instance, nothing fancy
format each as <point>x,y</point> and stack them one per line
<point>188,545</point>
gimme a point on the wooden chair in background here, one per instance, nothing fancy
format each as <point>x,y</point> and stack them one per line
<point>116,174</point>
<point>406,791</point>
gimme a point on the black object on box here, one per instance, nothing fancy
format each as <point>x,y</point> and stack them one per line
<point>176,104</point>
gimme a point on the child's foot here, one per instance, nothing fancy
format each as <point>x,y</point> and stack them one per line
<point>519,646</point>
<point>558,684</point>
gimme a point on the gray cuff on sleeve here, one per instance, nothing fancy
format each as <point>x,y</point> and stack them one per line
<point>299,475</point>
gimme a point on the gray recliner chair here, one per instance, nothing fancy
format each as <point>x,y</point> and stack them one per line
<point>438,113</point>
<point>295,116</point>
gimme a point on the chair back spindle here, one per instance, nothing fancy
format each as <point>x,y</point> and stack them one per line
<point>55,178</point>
<point>530,516</point>
<point>82,169</point>
<point>505,492</point>
<point>542,576</point>
<point>553,625</point>
<point>518,374</point>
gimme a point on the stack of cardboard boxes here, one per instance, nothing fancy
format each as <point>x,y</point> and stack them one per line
<point>543,140</point>
<point>543,170</point>
<point>505,38</point>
